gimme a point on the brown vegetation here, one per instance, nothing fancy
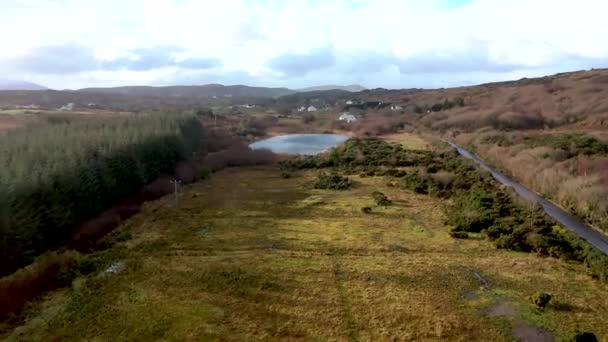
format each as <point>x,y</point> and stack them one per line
<point>569,99</point>
<point>29,282</point>
<point>573,178</point>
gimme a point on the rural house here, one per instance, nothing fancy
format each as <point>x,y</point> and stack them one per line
<point>347,117</point>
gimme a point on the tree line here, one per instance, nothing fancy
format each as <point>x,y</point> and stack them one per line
<point>57,176</point>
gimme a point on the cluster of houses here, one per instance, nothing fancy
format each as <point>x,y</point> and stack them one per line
<point>307,109</point>
<point>346,116</point>
<point>31,106</point>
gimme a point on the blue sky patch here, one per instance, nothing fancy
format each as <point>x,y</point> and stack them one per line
<point>456,3</point>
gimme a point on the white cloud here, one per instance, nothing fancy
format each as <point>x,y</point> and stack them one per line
<point>389,43</point>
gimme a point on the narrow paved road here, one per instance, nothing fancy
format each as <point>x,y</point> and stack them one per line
<point>595,238</point>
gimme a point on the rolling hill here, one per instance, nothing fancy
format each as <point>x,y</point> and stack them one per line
<point>351,88</point>
<point>202,91</point>
<point>19,85</point>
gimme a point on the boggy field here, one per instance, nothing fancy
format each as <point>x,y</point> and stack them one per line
<point>252,255</point>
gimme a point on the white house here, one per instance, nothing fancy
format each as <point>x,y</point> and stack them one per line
<point>312,109</point>
<point>302,109</point>
<point>396,107</point>
<point>348,117</point>
<point>349,102</point>
<point>68,107</point>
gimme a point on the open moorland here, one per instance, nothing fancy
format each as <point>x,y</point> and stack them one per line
<point>391,236</point>
<point>254,254</point>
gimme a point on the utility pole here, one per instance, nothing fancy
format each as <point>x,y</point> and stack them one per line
<point>175,188</point>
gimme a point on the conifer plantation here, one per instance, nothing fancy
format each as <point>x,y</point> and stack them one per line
<point>55,177</point>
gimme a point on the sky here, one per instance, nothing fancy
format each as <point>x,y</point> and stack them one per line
<point>70,44</point>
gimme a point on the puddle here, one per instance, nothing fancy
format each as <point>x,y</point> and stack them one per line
<point>527,333</point>
<point>500,309</point>
<point>470,295</point>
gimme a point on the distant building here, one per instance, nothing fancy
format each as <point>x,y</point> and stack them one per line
<point>396,107</point>
<point>302,109</point>
<point>31,106</point>
<point>348,117</point>
<point>247,106</point>
<point>67,108</point>
<point>312,109</point>
<point>349,102</point>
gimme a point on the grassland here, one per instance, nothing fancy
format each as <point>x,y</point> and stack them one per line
<point>249,255</point>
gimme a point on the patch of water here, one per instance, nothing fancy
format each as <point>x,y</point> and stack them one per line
<point>528,333</point>
<point>501,309</point>
<point>306,144</point>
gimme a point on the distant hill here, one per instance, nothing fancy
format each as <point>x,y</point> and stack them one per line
<point>576,99</point>
<point>351,88</point>
<point>203,91</point>
<point>19,85</point>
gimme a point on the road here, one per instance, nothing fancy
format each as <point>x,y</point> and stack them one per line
<point>585,232</point>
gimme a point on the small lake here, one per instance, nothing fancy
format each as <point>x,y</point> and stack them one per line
<point>309,144</point>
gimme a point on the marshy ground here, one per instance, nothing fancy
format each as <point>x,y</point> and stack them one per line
<point>249,255</point>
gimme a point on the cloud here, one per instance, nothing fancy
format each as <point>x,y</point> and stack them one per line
<point>299,64</point>
<point>71,58</point>
<point>473,58</point>
<point>64,59</point>
<point>388,43</point>
<point>160,57</point>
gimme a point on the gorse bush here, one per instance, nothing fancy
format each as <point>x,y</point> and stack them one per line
<point>381,199</point>
<point>55,177</point>
<point>332,182</point>
<point>540,299</point>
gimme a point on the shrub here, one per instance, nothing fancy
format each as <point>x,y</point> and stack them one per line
<point>381,199</point>
<point>540,299</point>
<point>437,107</point>
<point>332,182</point>
<point>205,173</point>
<point>584,336</point>
<point>366,210</point>
<point>458,234</point>
<point>384,202</point>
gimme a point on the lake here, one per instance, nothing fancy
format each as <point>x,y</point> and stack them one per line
<point>308,144</point>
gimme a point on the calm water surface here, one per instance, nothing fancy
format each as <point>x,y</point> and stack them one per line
<point>309,144</point>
